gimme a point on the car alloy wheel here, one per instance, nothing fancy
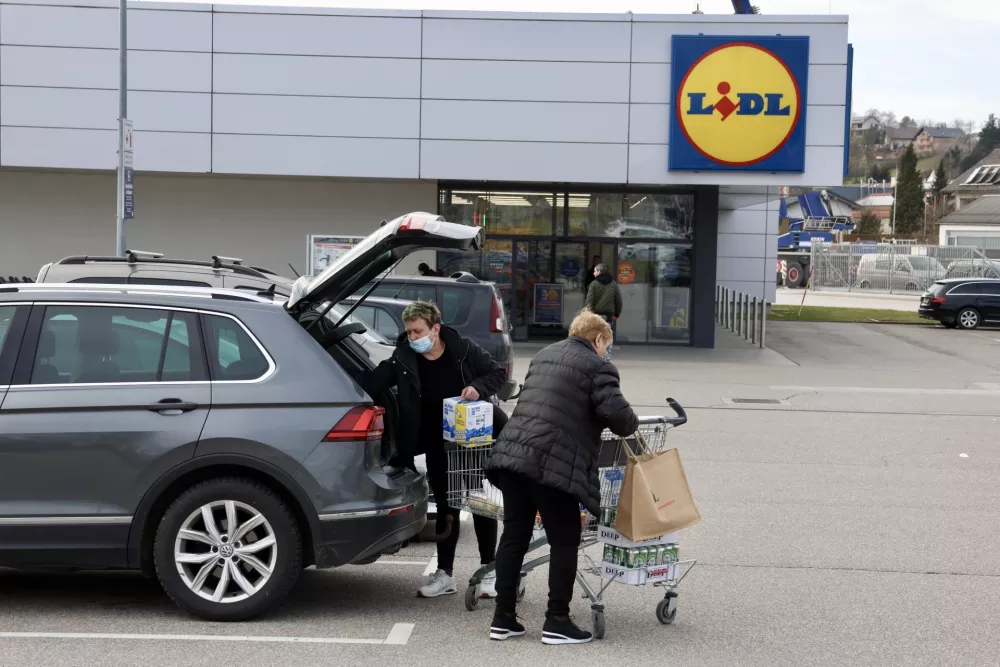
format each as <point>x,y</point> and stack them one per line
<point>968,319</point>
<point>225,551</point>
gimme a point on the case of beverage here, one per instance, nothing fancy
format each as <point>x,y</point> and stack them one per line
<point>637,566</point>
<point>467,422</point>
<point>606,532</point>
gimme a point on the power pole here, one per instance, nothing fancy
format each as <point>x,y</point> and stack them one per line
<point>124,197</point>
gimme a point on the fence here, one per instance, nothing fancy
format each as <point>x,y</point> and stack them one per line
<point>742,314</point>
<point>892,268</point>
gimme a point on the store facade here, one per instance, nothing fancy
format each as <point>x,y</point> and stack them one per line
<point>281,135</point>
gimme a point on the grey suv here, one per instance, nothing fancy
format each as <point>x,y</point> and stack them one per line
<point>212,438</point>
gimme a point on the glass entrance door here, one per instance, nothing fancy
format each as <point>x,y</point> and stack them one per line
<point>534,300</point>
<point>571,271</point>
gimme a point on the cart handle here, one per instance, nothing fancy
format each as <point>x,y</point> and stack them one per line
<point>679,420</point>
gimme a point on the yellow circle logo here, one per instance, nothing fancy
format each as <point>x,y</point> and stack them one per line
<point>738,104</point>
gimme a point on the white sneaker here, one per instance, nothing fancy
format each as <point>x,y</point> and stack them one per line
<point>439,584</point>
<point>488,586</point>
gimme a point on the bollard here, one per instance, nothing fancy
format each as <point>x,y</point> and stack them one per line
<point>717,303</point>
<point>753,318</point>
<point>746,317</point>
<point>733,314</point>
<point>725,307</point>
<point>763,324</point>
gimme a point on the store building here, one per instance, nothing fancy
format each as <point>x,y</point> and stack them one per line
<point>655,142</point>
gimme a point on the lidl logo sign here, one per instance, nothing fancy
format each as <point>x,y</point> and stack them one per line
<point>738,103</point>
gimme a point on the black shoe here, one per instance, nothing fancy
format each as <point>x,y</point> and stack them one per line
<point>562,630</point>
<point>505,626</point>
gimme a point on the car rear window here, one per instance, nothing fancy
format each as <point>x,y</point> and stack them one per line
<point>456,305</point>
<point>937,288</point>
<point>233,355</point>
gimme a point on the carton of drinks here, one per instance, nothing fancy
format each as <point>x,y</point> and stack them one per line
<point>636,566</point>
<point>467,423</point>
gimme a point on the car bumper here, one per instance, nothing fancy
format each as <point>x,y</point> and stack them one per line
<point>355,537</point>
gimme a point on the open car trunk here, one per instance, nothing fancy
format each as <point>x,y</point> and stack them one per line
<point>312,297</point>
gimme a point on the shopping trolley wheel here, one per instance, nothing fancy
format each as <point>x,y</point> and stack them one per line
<point>522,588</point>
<point>666,610</point>
<point>472,598</point>
<point>598,617</point>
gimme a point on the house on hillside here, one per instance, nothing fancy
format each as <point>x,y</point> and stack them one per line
<point>981,180</point>
<point>936,140</point>
<point>898,138</point>
<point>861,124</point>
<point>976,224</point>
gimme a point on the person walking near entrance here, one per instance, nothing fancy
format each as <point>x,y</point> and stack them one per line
<point>545,460</point>
<point>433,362</point>
<point>604,297</point>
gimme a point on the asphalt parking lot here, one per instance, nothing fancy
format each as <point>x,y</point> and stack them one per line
<point>849,520</point>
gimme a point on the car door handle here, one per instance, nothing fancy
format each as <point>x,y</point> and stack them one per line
<point>174,406</point>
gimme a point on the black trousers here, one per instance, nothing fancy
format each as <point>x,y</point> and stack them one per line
<point>560,512</point>
<point>486,528</point>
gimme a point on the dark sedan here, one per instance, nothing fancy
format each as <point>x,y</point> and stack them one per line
<point>962,303</point>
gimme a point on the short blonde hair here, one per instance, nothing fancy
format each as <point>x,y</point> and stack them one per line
<point>589,325</point>
<point>422,310</point>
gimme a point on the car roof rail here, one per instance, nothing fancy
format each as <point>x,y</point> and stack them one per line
<point>464,277</point>
<point>133,256</point>
<point>218,260</point>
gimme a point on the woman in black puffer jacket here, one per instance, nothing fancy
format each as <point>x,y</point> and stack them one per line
<point>545,461</point>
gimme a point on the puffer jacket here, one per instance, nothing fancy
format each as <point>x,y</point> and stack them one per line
<point>570,396</point>
<point>604,296</point>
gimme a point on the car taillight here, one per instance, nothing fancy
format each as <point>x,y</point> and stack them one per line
<point>938,300</point>
<point>360,423</point>
<point>496,316</point>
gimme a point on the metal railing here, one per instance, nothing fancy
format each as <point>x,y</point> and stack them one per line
<point>742,314</point>
<point>892,267</point>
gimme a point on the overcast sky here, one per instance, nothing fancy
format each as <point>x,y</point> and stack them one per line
<point>934,59</point>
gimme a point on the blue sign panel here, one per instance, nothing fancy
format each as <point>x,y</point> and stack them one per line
<point>738,103</point>
<point>548,298</point>
<point>129,203</point>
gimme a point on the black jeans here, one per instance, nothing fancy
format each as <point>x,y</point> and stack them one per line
<point>560,512</point>
<point>486,528</point>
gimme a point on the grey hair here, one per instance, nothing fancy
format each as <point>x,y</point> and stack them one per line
<point>603,268</point>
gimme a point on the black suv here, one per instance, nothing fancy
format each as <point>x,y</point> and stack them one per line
<point>962,303</point>
<point>469,305</point>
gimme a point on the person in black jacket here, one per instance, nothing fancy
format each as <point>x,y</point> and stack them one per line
<point>546,460</point>
<point>433,362</point>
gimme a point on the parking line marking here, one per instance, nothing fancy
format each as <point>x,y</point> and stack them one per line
<point>888,390</point>
<point>383,561</point>
<point>432,566</point>
<point>399,635</point>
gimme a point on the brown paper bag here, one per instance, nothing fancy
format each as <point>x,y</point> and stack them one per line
<point>655,498</point>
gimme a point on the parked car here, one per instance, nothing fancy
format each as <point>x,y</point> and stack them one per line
<point>152,268</point>
<point>146,268</point>
<point>973,268</point>
<point>470,306</point>
<point>213,438</point>
<point>962,303</point>
<point>911,273</point>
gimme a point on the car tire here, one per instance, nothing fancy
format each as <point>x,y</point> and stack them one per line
<point>865,284</point>
<point>968,319</point>
<point>256,578</point>
<point>794,275</point>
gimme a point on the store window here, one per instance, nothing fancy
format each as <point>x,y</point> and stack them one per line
<point>517,213</point>
<point>659,216</point>
<point>655,280</point>
<point>594,215</point>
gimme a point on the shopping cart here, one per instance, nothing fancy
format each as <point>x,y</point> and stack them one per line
<point>469,490</point>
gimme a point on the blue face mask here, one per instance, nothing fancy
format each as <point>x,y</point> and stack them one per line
<point>421,345</point>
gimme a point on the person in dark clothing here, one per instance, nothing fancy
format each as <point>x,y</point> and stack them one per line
<point>604,297</point>
<point>546,460</point>
<point>589,278</point>
<point>426,270</point>
<point>433,362</point>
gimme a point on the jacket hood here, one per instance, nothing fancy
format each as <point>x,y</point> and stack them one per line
<point>604,279</point>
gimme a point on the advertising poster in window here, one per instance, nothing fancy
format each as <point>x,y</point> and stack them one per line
<point>674,307</point>
<point>548,306</point>
<point>326,250</point>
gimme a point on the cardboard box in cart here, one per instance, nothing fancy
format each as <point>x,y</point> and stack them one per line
<point>467,422</point>
<point>638,563</point>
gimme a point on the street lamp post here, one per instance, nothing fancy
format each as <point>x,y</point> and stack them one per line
<point>123,204</point>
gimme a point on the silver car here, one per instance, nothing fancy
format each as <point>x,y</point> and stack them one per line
<point>212,438</point>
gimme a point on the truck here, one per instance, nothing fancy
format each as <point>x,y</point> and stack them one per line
<point>814,223</point>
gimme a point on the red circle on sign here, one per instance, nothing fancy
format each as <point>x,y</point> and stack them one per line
<point>626,273</point>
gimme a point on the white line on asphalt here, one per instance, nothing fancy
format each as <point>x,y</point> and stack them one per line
<point>888,390</point>
<point>399,635</point>
<point>432,566</point>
